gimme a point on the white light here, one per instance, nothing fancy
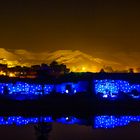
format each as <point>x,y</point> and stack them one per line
<point>75,91</point>
<point>105,96</point>
<point>67,91</point>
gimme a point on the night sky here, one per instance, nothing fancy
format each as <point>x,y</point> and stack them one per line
<point>89,25</point>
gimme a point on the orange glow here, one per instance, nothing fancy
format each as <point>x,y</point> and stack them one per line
<point>85,69</point>
<point>12,74</point>
<point>2,73</point>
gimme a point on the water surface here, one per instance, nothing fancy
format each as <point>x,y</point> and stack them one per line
<point>70,127</point>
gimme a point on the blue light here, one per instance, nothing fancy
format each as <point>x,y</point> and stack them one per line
<point>68,120</point>
<point>99,121</point>
<point>78,87</point>
<point>30,89</point>
<point>112,88</point>
<point>75,91</point>
<point>19,120</point>
<point>22,88</point>
<point>112,121</point>
<point>109,89</point>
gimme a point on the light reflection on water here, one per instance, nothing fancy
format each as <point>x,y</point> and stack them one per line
<point>103,121</point>
<point>113,121</point>
<point>68,127</point>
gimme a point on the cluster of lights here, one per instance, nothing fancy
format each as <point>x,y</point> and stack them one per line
<point>112,121</point>
<point>48,89</point>
<point>19,120</point>
<point>2,73</point>
<point>111,88</point>
<point>12,74</point>
<point>99,121</point>
<point>25,88</point>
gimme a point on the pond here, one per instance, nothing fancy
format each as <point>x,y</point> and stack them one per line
<point>70,127</point>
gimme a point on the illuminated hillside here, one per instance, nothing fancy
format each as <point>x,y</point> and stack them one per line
<point>77,61</point>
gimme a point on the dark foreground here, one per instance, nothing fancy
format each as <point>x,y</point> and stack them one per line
<point>69,105</point>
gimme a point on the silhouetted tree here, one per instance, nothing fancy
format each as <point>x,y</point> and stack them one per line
<point>59,68</point>
<point>131,70</point>
<point>53,63</point>
<point>42,130</point>
<point>44,66</point>
<point>102,71</point>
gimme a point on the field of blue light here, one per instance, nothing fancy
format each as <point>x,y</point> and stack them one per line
<point>106,88</point>
<point>111,88</point>
<point>39,89</point>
